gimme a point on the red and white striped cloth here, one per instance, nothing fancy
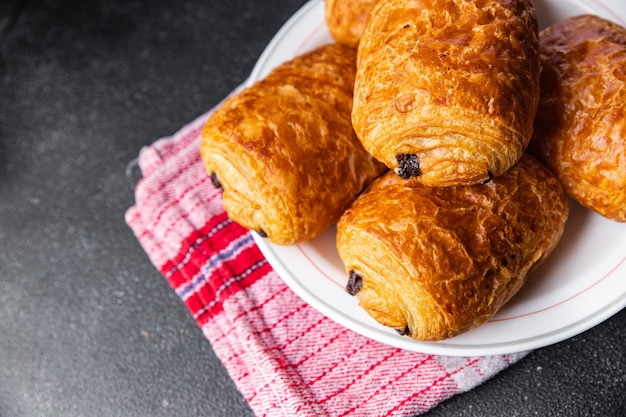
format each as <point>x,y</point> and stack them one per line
<point>286,358</point>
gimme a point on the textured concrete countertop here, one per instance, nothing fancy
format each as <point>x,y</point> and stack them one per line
<point>87,325</point>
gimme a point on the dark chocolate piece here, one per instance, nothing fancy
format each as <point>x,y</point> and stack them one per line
<point>488,179</point>
<point>262,233</point>
<point>404,332</point>
<point>409,165</point>
<point>355,283</point>
<point>216,183</point>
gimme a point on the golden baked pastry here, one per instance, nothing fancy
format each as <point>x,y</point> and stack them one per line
<point>433,262</point>
<point>283,150</point>
<point>446,90</point>
<point>580,128</point>
<point>346,19</point>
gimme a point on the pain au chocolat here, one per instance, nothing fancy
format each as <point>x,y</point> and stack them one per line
<point>434,262</point>
<point>346,19</point>
<point>283,150</point>
<point>447,90</point>
<point>580,128</point>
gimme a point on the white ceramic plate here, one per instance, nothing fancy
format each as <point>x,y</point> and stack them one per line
<point>582,284</point>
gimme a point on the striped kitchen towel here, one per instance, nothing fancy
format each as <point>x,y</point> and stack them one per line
<point>286,358</point>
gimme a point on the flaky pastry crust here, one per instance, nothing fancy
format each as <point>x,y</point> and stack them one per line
<point>446,90</point>
<point>284,151</point>
<point>580,128</point>
<point>433,262</point>
<point>346,19</point>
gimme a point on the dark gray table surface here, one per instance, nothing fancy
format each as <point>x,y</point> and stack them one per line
<point>87,325</point>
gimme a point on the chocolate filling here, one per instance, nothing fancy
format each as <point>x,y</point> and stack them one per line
<point>355,283</point>
<point>216,183</point>
<point>488,179</point>
<point>262,233</point>
<point>409,165</point>
<point>404,332</point>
